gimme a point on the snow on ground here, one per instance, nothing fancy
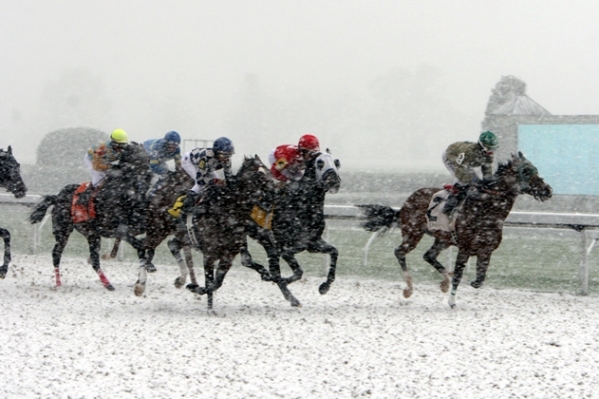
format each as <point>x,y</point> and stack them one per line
<point>360,340</point>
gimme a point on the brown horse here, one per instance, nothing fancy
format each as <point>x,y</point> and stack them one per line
<point>478,227</point>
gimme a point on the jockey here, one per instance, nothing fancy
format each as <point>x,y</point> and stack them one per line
<point>206,165</point>
<point>286,163</point>
<point>163,150</point>
<point>101,158</point>
<point>461,158</point>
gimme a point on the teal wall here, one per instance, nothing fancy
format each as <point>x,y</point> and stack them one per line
<point>567,156</point>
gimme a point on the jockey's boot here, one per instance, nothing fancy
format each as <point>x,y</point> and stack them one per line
<point>86,195</point>
<point>453,200</point>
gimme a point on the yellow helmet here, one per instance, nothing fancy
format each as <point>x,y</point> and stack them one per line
<point>119,136</point>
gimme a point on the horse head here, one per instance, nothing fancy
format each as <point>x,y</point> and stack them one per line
<point>257,180</point>
<point>10,174</point>
<point>327,173</point>
<point>522,177</point>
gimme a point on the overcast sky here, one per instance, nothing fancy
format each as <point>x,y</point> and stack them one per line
<point>153,66</point>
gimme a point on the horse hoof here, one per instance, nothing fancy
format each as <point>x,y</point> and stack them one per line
<point>444,286</point>
<point>3,271</point>
<point>109,287</point>
<point>324,288</point>
<point>196,289</point>
<point>476,284</point>
<point>150,268</point>
<point>266,277</point>
<point>179,282</point>
<point>139,289</point>
<point>295,303</point>
<point>408,292</point>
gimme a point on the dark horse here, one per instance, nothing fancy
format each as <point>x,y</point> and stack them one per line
<point>159,225</point>
<point>10,179</point>
<point>118,206</point>
<point>478,227</point>
<point>219,229</point>
<point>297,225</point>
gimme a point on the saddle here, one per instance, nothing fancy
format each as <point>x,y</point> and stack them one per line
<point>436,219</point>
<point>83,209</point>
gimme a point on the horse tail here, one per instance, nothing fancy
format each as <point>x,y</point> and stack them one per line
<point>42,207</point>
<point>379,217</point>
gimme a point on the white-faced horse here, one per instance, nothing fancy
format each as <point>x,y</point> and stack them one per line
<point>297,225</point>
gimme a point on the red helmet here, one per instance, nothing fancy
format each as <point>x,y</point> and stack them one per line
<point>309,142</point>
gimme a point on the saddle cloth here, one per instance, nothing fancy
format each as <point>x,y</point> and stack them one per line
<point>83,212</point>
<point>262,217</point>
<point>436,219</point>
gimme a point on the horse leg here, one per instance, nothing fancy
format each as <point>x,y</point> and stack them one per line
<point>274,267</point>
<point>94,242</point>
<point>61,232</point>
<point>275,273</point>
<point>431,257</point>
<point>6,237</point>
<point>224,265</point>
<point>115,250</point>
<point>460,264</point>
<point>185,266</point>
<point>407,245</point>
<point>482,264</point>
<point>149,256</point>
<point>142,274</point>
<point>247,261</point>
<point>289,257</point>
<point>189,262</point>
<point>209,281</point>
<point>323,247</point>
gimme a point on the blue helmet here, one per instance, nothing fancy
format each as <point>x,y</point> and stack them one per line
<point>223,145</point>
<point>173,136</point>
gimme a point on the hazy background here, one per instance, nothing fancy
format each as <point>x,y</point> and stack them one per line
<point>387,85</point>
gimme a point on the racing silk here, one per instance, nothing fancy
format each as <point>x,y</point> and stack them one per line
<point>159,154</point>
<point>286,163</point>
<point>203,166</point>
<point>460,158</point>
<point>102,156</point>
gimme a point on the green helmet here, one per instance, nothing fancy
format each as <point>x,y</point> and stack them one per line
<point>488,141</point>
<point>119,136</point>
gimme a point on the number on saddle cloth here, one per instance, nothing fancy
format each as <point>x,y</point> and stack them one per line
<point>82,211</point>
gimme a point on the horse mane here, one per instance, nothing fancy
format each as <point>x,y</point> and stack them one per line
<point>503,167</point>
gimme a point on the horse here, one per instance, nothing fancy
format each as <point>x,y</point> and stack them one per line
<point>478,224</point>
<point>219,229</point>
<point>159,225</point>
<point>297,225</point>
<point>118,206</point>
<point>11,180</point>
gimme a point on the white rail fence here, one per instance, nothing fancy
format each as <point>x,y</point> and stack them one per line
<point>587,225</point>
